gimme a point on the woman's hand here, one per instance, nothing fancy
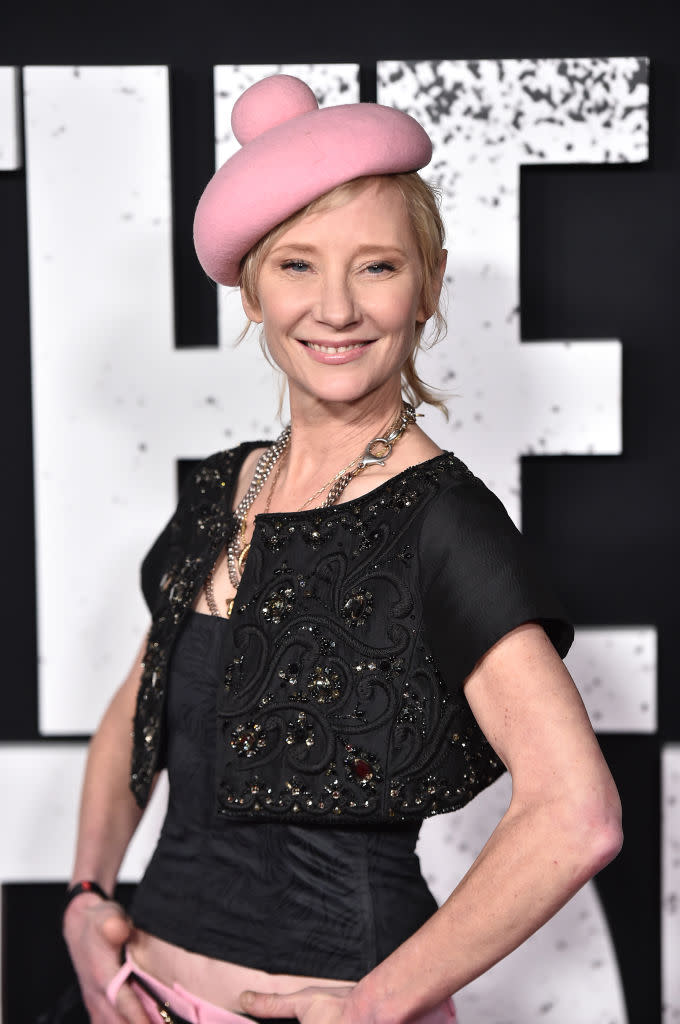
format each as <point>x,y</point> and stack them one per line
<point>316,1004</point>
<point>95,931</point>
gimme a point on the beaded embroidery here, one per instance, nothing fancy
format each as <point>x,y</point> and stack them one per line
<point>332,706</point>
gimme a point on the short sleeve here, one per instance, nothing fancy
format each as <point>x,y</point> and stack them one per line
<point>480,580</point>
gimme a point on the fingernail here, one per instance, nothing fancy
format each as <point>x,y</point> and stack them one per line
<point>247,997</point>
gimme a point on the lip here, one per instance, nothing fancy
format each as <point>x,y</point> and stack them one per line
<point>333,358</point>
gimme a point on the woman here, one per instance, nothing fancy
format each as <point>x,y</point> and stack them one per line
<point>375,649</point>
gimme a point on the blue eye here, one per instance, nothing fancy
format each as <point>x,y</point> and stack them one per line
<point>377,268</point>
<point>297,265</point>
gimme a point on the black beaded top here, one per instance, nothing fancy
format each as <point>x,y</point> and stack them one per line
<point>284,898</point>
<point>339,698</point>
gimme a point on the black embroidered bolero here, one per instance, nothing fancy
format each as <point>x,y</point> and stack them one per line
<point>353,630</point>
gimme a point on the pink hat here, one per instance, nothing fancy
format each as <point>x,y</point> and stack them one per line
<point>292,153</point>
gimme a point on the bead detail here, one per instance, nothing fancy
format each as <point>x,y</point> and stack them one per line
<point>315,709</point>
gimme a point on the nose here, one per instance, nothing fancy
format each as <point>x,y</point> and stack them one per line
<point>336,302</point>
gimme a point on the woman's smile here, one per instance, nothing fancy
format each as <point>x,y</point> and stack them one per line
<point>335,352</point>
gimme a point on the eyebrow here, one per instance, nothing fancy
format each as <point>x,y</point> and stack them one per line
<point>360,251</point>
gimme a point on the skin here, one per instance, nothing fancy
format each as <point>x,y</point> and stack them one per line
<point>348,275</point>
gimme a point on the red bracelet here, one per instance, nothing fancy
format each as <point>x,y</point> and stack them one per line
<point>86,886</point>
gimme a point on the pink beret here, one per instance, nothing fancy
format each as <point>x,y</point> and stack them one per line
<point>291,153</point>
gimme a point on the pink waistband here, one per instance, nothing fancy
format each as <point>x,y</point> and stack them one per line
<point>200,1011</point>
<point>186,1004</point>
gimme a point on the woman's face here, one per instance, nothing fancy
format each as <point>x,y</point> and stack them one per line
<point>339,296</point>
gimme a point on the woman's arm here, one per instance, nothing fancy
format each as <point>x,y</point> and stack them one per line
<point>95,929</point>
<point>109,813</point>
<point>562,826</point>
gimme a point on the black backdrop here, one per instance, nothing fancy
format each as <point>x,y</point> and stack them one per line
<point>599,258</point>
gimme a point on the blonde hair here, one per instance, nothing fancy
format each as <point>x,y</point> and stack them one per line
<point>422,206</point>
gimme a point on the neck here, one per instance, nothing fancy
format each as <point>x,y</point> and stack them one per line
<point>326,436</point>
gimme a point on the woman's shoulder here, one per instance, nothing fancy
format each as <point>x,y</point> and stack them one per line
<point>454,489</point>
<point>218,470</point>
<point>479,575</point>
<point>463,514</point>
<point>203,508</point>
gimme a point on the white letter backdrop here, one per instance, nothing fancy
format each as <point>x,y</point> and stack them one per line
<point>115,405</point>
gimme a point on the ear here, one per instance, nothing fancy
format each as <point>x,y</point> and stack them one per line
<point>423,314</point>
<point>251,309</point>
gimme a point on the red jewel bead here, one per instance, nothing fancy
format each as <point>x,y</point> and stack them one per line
<point>362,768</point>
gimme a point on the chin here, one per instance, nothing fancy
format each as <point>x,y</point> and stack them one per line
<point>348,388</point>
<point>342,394</point>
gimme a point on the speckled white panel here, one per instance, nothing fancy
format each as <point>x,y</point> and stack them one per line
<point>39,797</point>
<point>670,883</point>
<point>615,671</point>
<point>106,429</point>
<point>332,84</point>
<point>10,139</point>
<point>100,285</point>
<point>486,119</point>
<point>565,973</point>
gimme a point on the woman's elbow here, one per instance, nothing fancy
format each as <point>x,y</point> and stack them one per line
<point>597,830</point>
<point>605,845</point>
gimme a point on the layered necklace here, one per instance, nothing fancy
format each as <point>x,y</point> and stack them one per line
<point>273,458</point>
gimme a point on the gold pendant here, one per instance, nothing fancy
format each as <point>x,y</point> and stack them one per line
<point>230,606</point>
<point>242,557</point>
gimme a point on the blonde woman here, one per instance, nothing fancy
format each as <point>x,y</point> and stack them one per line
<point>348,635</point>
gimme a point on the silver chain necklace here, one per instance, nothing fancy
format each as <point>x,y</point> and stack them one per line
<point>237,552</point>
<point>375,453</point>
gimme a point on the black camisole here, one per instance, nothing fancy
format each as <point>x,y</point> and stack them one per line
<point>288,899</point>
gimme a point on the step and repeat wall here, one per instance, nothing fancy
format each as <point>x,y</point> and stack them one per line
<point>119,408</point>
